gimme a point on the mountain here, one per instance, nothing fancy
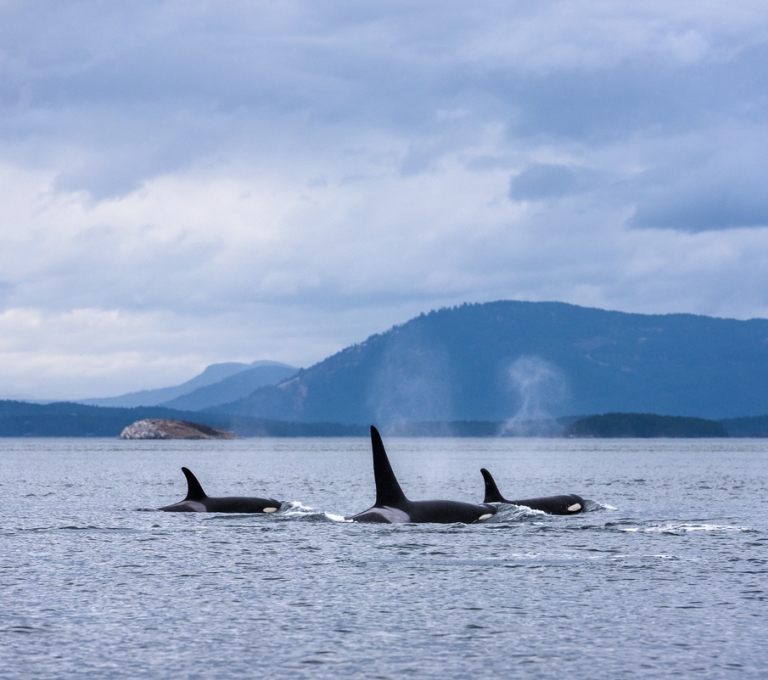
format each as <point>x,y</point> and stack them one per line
<point>527,360</point>
<point>232,388</point>
<point>212,374</point>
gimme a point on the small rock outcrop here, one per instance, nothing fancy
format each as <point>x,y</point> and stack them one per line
<point>156,428</point>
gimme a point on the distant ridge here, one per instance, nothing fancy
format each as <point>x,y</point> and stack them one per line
<point>528,360</point>
<point>211,375</point>
<point>67,419</point>
<point>236,386</point>
<point>24,419</point>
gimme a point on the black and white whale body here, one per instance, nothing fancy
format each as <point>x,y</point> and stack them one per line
<point>569,504</point>
<point>392,507</point>
<point>197,501</point>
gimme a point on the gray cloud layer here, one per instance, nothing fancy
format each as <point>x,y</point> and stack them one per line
<point>298,176</point>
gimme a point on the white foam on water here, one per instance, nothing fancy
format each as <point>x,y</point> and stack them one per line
<point>702,527</point>
<point>336,518</point>
<point>591,506</point>
<point>513,513</point>
<point>297,509</point>
<point>684,528</point>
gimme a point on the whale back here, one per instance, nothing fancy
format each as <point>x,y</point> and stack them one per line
<point>388,491</point>
<point>194,490</point>
<point>570,504</point>
<point>492,493</point>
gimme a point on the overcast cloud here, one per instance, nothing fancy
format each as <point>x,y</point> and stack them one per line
<point>186,182</point>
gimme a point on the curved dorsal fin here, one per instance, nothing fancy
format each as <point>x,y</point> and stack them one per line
<point>388,491</point>
<point>492,494</point>
<point>194,490</point>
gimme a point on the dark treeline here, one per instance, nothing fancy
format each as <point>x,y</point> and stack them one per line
<point>644,425</point>
<point>610,425</point>
<point>747,427</point>
<point>23,419</point>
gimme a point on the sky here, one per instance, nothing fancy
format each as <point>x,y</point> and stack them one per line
<point>186,182</point>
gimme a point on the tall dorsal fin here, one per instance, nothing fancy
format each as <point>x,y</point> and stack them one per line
<point>194,490</point>
<point>492,494</point>
<point>388,491</point>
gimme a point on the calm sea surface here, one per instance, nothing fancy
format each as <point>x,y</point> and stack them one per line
<point>666,576</point>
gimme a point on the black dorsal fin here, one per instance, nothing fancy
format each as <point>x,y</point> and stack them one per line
<point>194,490</point>
<point>492,494</point>
<point>388,491</point>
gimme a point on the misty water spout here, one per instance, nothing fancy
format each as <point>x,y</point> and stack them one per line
<point>540,386</point>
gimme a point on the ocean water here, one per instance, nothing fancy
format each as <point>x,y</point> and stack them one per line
<point>665,576</point>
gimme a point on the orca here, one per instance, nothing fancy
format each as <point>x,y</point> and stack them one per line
<point>569,504</point>
<point>392,507</point>
<point>197,501</point>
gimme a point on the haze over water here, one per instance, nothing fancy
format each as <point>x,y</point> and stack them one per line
<point>666,575</point>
